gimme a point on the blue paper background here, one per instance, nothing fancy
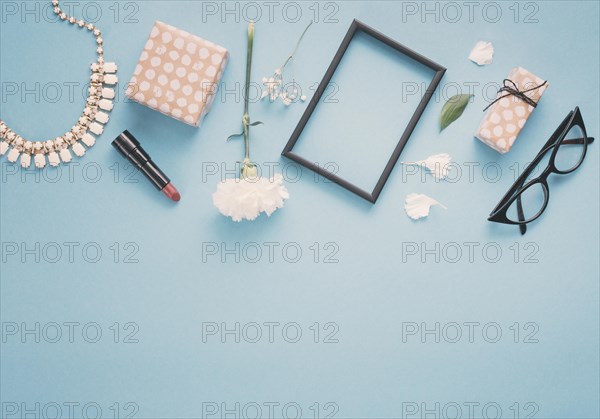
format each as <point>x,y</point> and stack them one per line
<point>388,272</point>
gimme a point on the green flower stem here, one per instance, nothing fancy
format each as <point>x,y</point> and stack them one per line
<point>291,56</point>
<point>246,117</point>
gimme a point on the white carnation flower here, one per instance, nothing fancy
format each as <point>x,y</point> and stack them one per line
<point>246,198</point>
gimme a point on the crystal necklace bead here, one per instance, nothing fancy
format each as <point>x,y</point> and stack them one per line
<point>106,104</point>
<point>65,155</point>
<point>78,149</point>
<point>13,155</point>
<point>96,128</point>
<point>102,117</point>
<point>110,67</point>
<point>40,161</point>
<point>110,79</point>
<point>25,160</point>
<point>53,159</point>
<point>88,140</point>
<point>108,93</point>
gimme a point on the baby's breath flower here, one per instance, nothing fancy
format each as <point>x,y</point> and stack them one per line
<point>275,85</point>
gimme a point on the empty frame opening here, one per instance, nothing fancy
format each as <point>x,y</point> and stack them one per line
<point>364,111</point>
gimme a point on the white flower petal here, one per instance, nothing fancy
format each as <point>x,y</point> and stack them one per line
<point>418,205</point>
<point>438,165</point>
<point>482,53</point>
<point>245,199</point>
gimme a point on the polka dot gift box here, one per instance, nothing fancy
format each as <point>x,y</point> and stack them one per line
<point>507,116</point>
<point>178,74</point>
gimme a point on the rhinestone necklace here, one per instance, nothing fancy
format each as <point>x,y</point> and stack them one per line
<point>99,102</point>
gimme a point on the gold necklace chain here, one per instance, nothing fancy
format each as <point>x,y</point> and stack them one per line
<point>92,121</point>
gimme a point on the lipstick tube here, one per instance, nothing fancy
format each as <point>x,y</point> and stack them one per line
<point>129,147</point>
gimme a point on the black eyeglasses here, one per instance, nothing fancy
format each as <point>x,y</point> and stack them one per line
<point>527,199</point>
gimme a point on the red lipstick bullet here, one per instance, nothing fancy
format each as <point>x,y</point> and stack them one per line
<point>171,192</point>
<point>130,148</point>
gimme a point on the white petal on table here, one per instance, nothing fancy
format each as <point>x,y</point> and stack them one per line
<point>482,53</point>
<point>437,164</point>
<point>418,205</point>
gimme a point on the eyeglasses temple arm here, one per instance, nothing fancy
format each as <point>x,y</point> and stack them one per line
<point>521,215</point>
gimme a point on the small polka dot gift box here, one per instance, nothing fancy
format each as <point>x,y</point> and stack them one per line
<point>509,113</point>
<point>178,74</point>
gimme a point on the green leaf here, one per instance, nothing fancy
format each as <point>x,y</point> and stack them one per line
<point>453,109</point>
<point>231,137</point>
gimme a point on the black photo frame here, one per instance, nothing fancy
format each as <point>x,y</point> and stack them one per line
<point>356,27</point>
